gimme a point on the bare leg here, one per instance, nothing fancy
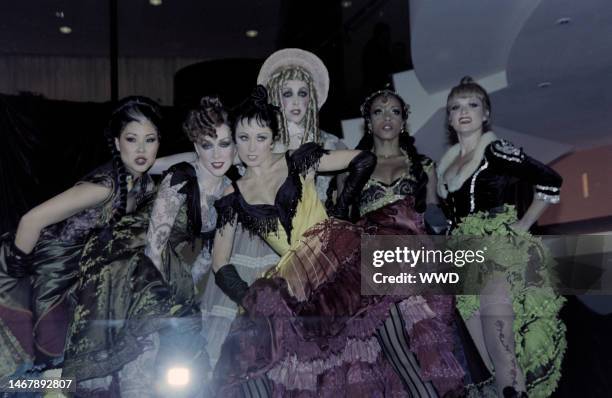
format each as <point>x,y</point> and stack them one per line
<point>497,317</point>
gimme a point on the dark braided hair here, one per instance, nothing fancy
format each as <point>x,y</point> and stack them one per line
<point>467,87</point>
<point>129,109</point>
<point>256,107</point>
<point>406,142</point>
<point>204,120</point>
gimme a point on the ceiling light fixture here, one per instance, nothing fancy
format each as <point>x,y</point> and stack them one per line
<point>563,21</point>
<point>65,29</point>
<point>251,33</point>
<point>347,3</point>
<point>544,84</point>
<point>155,3</point>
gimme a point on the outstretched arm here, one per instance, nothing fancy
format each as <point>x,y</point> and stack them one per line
<point>164,163</point>
<point>56,209</point>
<point>337,160</point>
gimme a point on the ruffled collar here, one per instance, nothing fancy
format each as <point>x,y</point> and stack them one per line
<point>449,157</point>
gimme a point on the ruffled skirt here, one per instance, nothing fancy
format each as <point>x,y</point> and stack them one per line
<point>309,329</point>
<point>527,265</point>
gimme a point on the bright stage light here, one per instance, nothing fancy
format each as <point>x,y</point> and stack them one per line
<point>178,377</point>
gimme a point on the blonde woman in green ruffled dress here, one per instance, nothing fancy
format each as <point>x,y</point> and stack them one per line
<point>514,321</point>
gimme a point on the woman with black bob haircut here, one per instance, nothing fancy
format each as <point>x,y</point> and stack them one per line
<point>306,325</point>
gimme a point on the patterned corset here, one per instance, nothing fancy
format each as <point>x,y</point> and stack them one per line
<point>377,194</point>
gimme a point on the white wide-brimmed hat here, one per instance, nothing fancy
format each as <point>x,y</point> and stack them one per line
<point>288,57</point>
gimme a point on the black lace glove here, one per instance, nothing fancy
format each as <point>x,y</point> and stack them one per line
<point>231,283</point>
<point>359,171</point>
<point>18,263</point>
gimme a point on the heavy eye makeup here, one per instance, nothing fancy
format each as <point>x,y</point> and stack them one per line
<point>225,143</point>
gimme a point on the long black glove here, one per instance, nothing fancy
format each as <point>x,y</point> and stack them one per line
<point>231,283</point>
<point>359,169</point>
<point>18,263</point>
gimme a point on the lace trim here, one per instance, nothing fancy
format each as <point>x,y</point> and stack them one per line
<point>554,199</point>
<point>229,209</point>
<point>547,188</point>
<point>299,163</point>
<point>254,262</point>
<point>506,150</point>
<point>473,185</point>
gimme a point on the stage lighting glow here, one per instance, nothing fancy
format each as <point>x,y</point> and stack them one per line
<point>178,377</point>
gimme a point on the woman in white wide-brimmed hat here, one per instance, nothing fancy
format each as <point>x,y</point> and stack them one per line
<point>298,82</point>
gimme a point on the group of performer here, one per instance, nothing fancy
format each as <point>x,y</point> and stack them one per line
<point>95,283</point>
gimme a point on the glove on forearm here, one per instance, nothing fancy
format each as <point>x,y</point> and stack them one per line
<point>231,283</point>
<point>18,263</point>
<point>359,171</point>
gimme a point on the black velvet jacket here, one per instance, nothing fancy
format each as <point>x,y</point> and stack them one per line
<point>483,183</point>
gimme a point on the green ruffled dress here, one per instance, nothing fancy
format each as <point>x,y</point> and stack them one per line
<point>480,200</point>
<point>538,332</point>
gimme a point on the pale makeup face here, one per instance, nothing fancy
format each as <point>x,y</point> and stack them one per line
<point>138,144</point>
<point>294,100</point>
<point>386,117</point>
<point>466,114</point>
<point>217,154</point>
<point>253,142</point>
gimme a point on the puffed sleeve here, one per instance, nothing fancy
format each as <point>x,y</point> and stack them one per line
<point>508,159</point>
